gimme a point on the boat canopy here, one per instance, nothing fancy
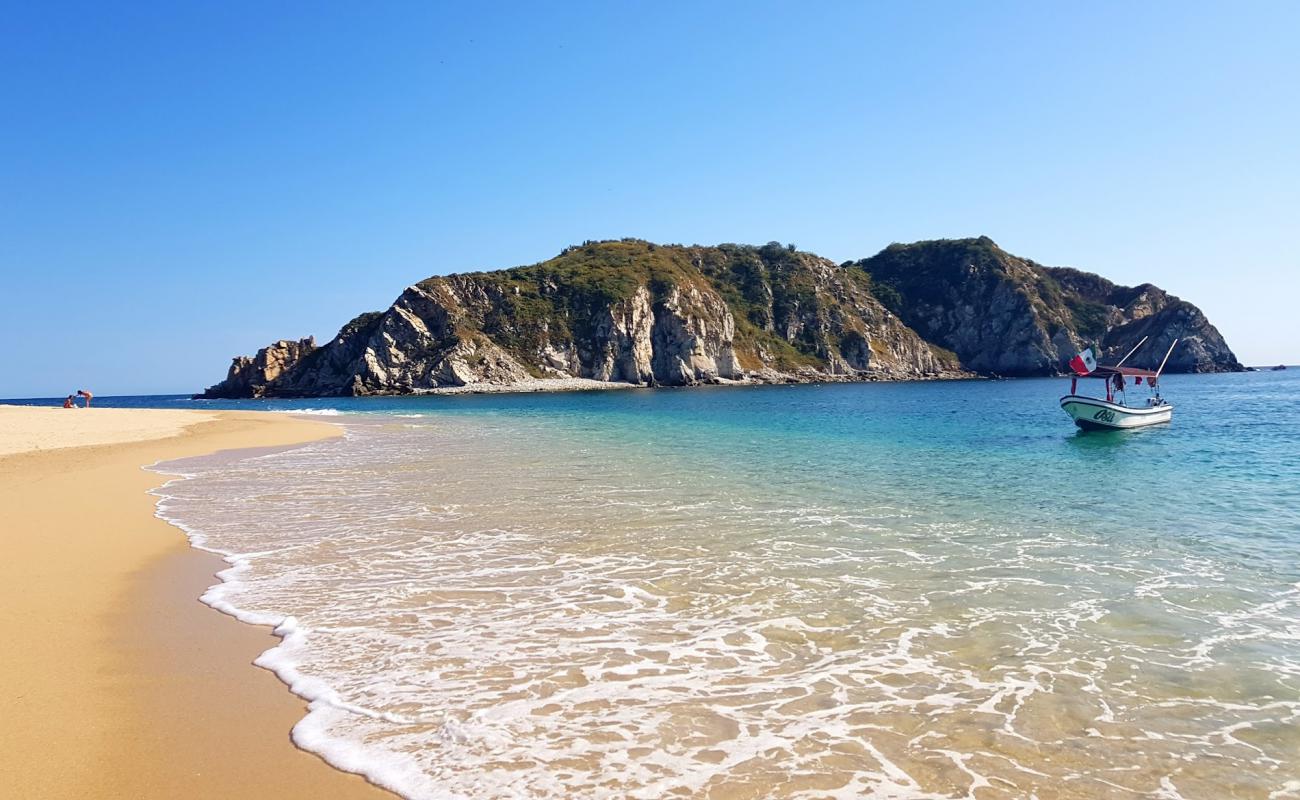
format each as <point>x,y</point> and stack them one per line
<point>1132,372</point>
<point>1114,376</point>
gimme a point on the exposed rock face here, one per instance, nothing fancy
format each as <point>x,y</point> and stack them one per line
<point>634,312</point>
<point>1146,310</point>
<point>1009,316</point>
<point>626,311</point>
<point>250,377</point>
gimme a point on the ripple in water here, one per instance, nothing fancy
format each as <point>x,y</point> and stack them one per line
<point>479,610</point>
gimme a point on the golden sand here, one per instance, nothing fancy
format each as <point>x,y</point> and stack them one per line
<point>115,681</point>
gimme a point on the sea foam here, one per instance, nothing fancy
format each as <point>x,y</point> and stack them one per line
<point>470,618</point>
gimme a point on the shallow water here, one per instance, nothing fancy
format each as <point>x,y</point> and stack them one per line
<point>902,590</point>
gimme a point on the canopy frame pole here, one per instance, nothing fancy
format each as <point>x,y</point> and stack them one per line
<point>1131,352</point>
<point>1166,359</point>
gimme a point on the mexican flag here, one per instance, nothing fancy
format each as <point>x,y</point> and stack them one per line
<point>1083,363</point>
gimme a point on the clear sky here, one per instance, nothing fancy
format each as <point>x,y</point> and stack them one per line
<point>184,182</point>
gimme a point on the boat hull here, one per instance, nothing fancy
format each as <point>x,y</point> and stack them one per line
<point>1092,414</point>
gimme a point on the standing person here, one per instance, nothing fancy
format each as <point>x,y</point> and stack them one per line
<point>70,402</point>
<point>85,394</point>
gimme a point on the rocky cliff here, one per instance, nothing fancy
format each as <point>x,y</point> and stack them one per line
<point>1006,315</point>
<point>634,312</point>
<point>250,377</point>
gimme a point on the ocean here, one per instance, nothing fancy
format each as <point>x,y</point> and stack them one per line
<point>899,590</point>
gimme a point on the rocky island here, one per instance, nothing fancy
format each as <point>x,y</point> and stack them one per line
<point>631,312</point>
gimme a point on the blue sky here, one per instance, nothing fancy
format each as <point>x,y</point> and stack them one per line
<point>183,182</point>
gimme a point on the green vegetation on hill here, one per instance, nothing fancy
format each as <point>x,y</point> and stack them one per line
<point>1090,317</point>
<point>564,299</point>
<point>923,272</point>
<point>1008,315</point>
<point>793,310</point>
<point>362,324</point>
<point>631,310</point>
<point>763,285</point>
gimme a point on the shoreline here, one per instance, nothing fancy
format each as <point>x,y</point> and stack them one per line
<point>562,385</point>
<point>117,681</point>
<point>567,385</point>
<point>573,385</point>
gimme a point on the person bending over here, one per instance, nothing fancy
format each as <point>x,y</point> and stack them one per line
<point>85,394</point>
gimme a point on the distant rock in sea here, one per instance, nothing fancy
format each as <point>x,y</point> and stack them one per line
<point>638,313</point>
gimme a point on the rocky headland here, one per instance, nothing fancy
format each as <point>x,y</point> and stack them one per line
<point>633,313</point>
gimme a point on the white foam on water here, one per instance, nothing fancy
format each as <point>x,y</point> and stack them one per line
<point>469,618</point>
<point>1287,791</point>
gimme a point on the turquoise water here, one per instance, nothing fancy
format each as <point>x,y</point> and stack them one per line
<point>1224,476</point>
<point>1223,479</point>
<point>889,590</point>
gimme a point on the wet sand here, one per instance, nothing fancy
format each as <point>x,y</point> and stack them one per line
<point>115,680</point>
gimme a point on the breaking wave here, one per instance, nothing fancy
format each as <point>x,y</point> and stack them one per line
<point>513,608</point>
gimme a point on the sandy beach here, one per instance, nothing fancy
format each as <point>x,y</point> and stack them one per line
<point>116,681</point>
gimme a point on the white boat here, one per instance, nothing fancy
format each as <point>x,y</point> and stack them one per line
<point>1091,413</point>
<point>1114,411</point>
